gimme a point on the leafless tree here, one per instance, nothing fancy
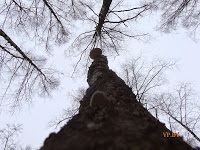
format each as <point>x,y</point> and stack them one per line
<point>179,106</point>
<point>7,136</point>
<point>144,78</point>
<point>185,12</point>
<point>24,73</point>
<point>50,20</point>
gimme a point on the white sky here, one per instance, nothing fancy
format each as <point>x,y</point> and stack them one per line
<point>177,45</point>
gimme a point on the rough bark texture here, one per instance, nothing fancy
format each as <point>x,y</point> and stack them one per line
<point>122,125</point>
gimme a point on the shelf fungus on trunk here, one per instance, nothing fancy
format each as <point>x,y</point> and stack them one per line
<point>99,99</point>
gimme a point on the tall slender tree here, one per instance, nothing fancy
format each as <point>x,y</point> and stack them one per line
<point>111,118</point>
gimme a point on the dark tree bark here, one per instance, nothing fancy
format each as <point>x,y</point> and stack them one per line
<point>102,15</point>
<point>124,124</point>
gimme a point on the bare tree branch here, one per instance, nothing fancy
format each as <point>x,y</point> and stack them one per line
<point>25,57</point>
<point>146,7</point>
<point>143,80</point>
<point>179,107</point>
<point>175,13</point>
<point>102,16</point>
<point>25,70</point>
<point>7,136</point>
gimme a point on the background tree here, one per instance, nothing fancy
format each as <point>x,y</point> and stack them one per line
<point>8,138</point>
<point>43,18</point>
<point>181,108</point>
<point>23,72</point>
<point>176,13</point>
<point>146,78</point>
<point>179,105</point>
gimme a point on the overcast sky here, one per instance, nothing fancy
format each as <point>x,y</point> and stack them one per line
<point>178,45</point>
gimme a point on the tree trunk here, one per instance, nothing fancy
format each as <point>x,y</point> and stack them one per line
<point>121,124</point>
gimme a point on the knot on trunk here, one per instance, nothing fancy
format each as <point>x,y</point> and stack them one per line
<point>95,53</point>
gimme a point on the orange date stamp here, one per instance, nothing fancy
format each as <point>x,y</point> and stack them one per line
<point>170,134</point>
